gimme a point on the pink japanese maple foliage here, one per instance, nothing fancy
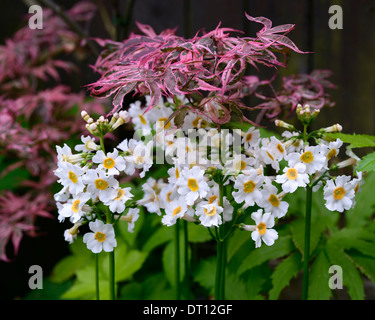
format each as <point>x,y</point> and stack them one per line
<point>37,112</point>
<point>209,67</point>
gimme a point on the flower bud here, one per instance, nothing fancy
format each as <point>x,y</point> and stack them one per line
<point>283,124</point>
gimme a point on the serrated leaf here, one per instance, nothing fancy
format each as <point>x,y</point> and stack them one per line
<point>281,247</point>
<point>365,264</point>
<point>319,277</point>
<point>365,201</point>
<point>354,239</point>
<point>205,273</point>
<point>367,163</point>
<point>354,140</point>
<point>284,272</point>
<point>197,234</point>
<point>160,236</point>
<point>351,276</point>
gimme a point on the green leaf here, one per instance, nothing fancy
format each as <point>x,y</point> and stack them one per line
<point>367,163</point>
<point>129,264</point>
<point>236,241</point>
<point>358,239</point>
<point>351,276</point>
<point>205,273</point>
<point>197,234</point>
<point>160,236</point>
<point>284,272</point>
<point>360,215</point>
<point>169,261</point>
<point>281,247</point>
<point>365,264</point>
<point>354,140</point>
<point>319,277</point>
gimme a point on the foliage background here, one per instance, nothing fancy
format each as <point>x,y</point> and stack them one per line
<point>347,52</point>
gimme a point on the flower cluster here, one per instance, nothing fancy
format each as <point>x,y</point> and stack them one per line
<point>91,189</point>
<point>215,175</point>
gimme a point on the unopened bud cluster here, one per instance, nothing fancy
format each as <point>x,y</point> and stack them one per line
<point>102,126</point>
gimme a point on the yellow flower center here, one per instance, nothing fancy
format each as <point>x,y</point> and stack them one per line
<point>332,153</point>
<point>307,157</point>
<point>248,137</point>
<point>280,148</point>
<point>109,163</point>
<point>101,184</point>
<point>199,121</point>
<point>338,193</point>
<point>120,194</point>
<point>261,228</point>
<point>100,236</point>
<point>73,177</point>
<point>75,205</point>
<point>163,123</point>
<point>249,186</point>
<point>142,119</point>
<point>193,184</point>
<point>177,210</point>
<point>212,199</point>
<point>240,165</point>
<point>270,155</point>
<point>177,172</point>
<point>274,200</point>
<point>292,174</point>
<point>210,213</point>
<point>169,196</point>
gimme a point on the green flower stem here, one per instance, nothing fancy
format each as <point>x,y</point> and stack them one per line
<point>221,254</point>
<point>306,252</point>
<point>219,266</point>
<point>97,276</point>
<point>112,283</point>
<point>112,290</point>
<point>177,259</point>
<point>186,258</point>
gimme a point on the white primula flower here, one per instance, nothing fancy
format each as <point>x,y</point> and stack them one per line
<point>212,196</point>
<point>248,187</point>
<point>140,119</point>
<point>293,178</point>
<point>239,163</point>
<point>251,138</point>
<point>101,238</point>
<point>167,195</point>
<point>339,194</point>
<point>70,176</point>
<point>117,204</point>
<point>176,209</point>
<point>272,152</point>
<point>141,157</point>
<point>88,144</point>
<point>71,234</point>
<point>332,149</point>
<point>99,184</point>
<point>312,157</point>
<point>262,231</point>
<point>292,144</point>
<point>112,163</point>
<point>64,154</point>
<point>271,201</point>
<point>74,208</point>
<point>151,200</point>
<point>192,184</point>
<point>209,214</point>
<point>159,116</point>
<point>131,217</point>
